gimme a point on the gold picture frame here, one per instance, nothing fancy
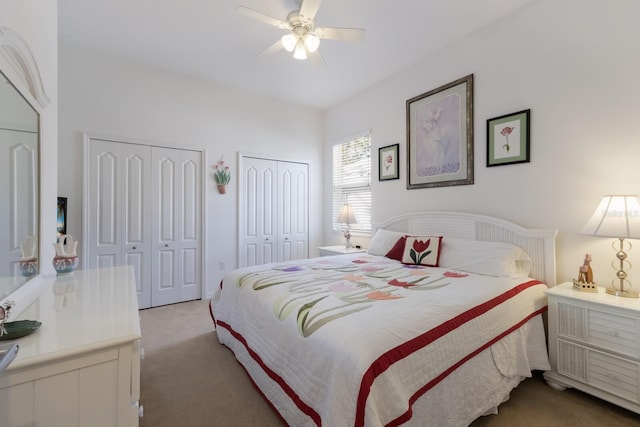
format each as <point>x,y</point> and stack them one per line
<point>440,136</point>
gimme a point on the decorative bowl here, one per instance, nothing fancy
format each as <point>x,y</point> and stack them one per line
<point>65,264</point>
<point>29,267</point>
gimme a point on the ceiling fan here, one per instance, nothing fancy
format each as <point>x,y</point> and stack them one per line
<point>303,37</point>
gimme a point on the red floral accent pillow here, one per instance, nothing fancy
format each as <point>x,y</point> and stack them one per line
<point>422,250</point>
<point>397,250</point>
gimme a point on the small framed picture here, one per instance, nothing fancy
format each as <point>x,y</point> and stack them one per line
<point>388,166</point>
<point>61,221</point>
<point>508,139</point>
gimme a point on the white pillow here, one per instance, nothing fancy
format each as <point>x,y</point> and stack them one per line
<point>488,258</point>
<point>383,241</point>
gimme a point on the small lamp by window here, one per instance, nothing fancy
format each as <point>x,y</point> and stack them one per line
<point>347,216</point>
<point>618,217</point>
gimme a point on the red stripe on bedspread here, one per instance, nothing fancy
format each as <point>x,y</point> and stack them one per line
<point>392,356</point>
<point>306,409</point>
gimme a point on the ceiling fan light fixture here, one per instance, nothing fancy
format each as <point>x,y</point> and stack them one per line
<point>289,42</point>
<point>300,51</point>
<point>312,42</point>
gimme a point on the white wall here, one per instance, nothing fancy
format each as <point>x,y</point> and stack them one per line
<point>575,64</point>
<point>105,95</point>
<point>36,21</point>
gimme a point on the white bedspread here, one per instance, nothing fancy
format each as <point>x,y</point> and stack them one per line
<point>357,340</point>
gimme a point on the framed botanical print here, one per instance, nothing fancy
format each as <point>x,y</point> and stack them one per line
<point>388,163</point>
<point>440,136</point>
<point>508,139</point>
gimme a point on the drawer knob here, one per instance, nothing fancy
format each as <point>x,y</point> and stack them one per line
<point>612,376</point>
<point>612,332</point>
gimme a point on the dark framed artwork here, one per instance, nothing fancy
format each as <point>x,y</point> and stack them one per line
<point>440,136</point>
<point>62,217</point>
<point>508,139</point>
<point>388,163</point>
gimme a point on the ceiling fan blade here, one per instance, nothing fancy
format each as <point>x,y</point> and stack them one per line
<point>346,34</point>
<point>274,48</point>
<point>254,14</point>
<point>316,59</point>
<point>308,9</point>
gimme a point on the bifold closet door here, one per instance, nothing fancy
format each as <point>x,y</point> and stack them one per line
<point>143,208</point>
<point>274,213</point>
<point>176,233</point>
<point>118,221</point>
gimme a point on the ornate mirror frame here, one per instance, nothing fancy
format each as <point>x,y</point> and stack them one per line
<point>19,66</point>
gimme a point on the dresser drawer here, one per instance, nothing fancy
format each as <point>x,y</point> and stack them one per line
<point>614,332</point>
<point>614,375</point>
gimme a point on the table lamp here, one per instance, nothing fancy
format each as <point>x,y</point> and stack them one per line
<point>618,217</point>
<point>346,216</point>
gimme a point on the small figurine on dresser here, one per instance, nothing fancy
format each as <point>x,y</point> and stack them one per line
<point>584,282</point>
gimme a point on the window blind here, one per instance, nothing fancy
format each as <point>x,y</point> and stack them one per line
<point>352,182</point>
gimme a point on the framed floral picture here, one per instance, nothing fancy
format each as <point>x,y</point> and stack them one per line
<point>388,163</point>
<point>508,139</point>
<point>440,136</point>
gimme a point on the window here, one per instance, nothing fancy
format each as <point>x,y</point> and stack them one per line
<point>352,182</point>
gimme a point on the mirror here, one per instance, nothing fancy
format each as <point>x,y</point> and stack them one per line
<point>19,189</point>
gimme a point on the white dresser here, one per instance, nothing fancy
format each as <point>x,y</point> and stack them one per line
<point>82,367</point>
<point>594,344</point>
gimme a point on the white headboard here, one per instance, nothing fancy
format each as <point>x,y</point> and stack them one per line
<point>539,244</point>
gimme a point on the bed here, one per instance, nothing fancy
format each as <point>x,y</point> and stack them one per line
<point>433,326</point>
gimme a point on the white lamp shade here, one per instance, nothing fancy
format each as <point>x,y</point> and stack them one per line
<point>346,215</point>
<point>312,42</point>
<point>615,216</point>
<point>300,51</point>
<point>289,42</point>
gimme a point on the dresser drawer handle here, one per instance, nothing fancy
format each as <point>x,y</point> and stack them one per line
<point>612,376</point>
<point>612,332</point>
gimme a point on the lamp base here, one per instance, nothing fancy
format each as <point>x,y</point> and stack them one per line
<point>347,244</point>
<point>627,293</point>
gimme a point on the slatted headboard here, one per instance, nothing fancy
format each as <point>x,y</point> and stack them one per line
<point>538,243</point>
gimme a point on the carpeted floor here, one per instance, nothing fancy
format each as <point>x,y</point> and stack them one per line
<point>189,380</point>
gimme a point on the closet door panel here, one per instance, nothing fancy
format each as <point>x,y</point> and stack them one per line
<point>189,218</point>
<point>118,202</point>
<point>176,235</point>
<point>293,215</point>
<point>102,231</point>
<point>136,214</point>
<point>269,213</point>
<point>258,207</point>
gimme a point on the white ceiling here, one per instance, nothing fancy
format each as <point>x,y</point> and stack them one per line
<point>210,40</point>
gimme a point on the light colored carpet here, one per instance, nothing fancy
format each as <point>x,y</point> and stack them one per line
<point>189,380</point>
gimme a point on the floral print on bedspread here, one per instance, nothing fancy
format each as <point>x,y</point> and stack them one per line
<point>321,291</point>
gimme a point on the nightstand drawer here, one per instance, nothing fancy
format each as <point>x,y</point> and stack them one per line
<point>612,374</point>
<point>615,375</point>
<point>614,333</point>
<point>609,331</point>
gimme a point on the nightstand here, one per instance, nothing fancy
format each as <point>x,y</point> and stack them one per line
<point>594,344</point>
<point>338,250</point>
